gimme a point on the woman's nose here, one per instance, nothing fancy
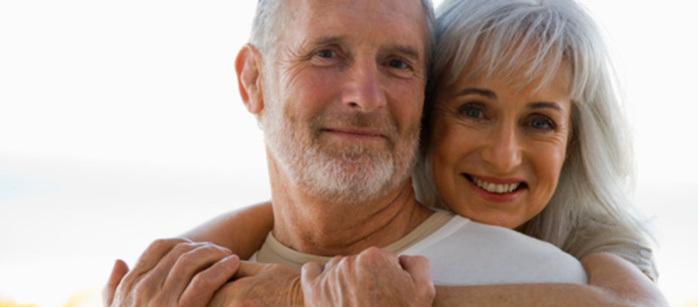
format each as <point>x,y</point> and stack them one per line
<point>502,151</point>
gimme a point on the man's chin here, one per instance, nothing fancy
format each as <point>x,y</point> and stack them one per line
<point>350,194</point>
<point>349,181</point>
<point>377,152</point>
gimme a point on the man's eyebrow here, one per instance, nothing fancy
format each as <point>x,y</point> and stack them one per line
<point>327,40</point>
<point>477,91</point>
<point>404,50</point>
<point>407,51</point>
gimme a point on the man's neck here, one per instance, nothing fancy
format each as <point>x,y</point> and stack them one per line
<point>315,226</point>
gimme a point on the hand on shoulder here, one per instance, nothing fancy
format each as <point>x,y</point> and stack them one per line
<point>372,278</point>
<point>171,272</point>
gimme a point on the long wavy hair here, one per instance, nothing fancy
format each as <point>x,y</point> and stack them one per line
<point>590,210</point>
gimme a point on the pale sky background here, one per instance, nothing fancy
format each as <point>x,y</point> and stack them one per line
<point>120,123</point>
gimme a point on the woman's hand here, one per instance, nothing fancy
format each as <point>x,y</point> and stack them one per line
<point>261,284</point>
<point>372,278</point>
<point>171,272</point>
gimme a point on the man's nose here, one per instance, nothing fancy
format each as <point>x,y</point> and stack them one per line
<point>502,150</point>
<point>364,91</point>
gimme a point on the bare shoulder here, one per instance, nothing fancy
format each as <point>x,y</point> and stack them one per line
<point>613,273</point>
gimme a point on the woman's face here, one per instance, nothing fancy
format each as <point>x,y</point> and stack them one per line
<point>498,148</point>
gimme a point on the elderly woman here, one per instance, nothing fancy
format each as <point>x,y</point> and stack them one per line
<point>523,84</point>
<point>522,130</point>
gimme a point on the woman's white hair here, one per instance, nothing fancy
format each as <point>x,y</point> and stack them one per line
<point>590,210</point>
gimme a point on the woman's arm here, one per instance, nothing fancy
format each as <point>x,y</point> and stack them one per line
<point>242,231</point>
<point>612,282</point>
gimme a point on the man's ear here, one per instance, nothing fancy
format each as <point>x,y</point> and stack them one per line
<point>248,67</point>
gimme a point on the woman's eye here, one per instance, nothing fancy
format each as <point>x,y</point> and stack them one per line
<point>471,111</point>
<point>542,123</point>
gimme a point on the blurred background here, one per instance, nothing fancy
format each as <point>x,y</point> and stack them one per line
<point>120,122</point>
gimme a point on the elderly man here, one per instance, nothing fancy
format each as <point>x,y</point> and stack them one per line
<point>338,87</point>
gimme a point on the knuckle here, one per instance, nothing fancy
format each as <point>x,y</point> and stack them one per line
<point>201,284</point>
<point>373,251</point>
<point>140,291</point>
<point>344,262</point>
<point>421,261</point>
<point>333,262</point>
<point>275,267</point>
<point>145,285</point>
<point>197,290</point>
<point>215,250</point>
<point>431,294</point>
<point>347,266</point>
<point>166,243</point>
<point>183,248</point>
<point>372,255</point>
<point>187,259</point>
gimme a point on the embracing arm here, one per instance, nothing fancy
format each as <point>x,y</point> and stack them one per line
<point>241,231</point>
<point>612,282</point>
<point>201,269</point>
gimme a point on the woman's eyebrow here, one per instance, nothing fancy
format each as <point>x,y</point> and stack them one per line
<point>544,105</point>
<point>477,91</point>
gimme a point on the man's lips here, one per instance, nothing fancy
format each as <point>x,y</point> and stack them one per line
<point>356,132</point>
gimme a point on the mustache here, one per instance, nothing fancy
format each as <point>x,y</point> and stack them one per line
<point>382,123</point>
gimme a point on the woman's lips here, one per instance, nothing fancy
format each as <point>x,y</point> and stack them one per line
<point>494,189</point>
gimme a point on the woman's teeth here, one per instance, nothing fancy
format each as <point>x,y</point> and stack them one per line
<point>495,188</point>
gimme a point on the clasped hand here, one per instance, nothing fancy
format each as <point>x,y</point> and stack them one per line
<point>178,272</point>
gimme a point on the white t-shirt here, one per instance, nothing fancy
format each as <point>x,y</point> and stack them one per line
<point>463,252</point>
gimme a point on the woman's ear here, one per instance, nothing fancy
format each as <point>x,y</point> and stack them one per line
<point>248,67</point>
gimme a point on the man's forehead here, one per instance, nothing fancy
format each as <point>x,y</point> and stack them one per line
<point>385,6</point>
<point>399,21</point>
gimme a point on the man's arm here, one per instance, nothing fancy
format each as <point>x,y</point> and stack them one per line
<point>612,282</point>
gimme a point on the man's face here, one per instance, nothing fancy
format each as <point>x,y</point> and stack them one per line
<point>343,95</point>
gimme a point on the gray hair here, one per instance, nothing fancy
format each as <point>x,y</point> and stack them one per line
<point>269,20</point>
<point>589,211</point>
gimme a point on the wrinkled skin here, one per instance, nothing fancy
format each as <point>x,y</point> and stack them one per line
<point>372,278</point>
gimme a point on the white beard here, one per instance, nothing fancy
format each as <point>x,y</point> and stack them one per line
<point>339,173</point>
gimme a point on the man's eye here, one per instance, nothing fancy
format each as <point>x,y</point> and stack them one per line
<point>398,64</point>
<point>325,53</point>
